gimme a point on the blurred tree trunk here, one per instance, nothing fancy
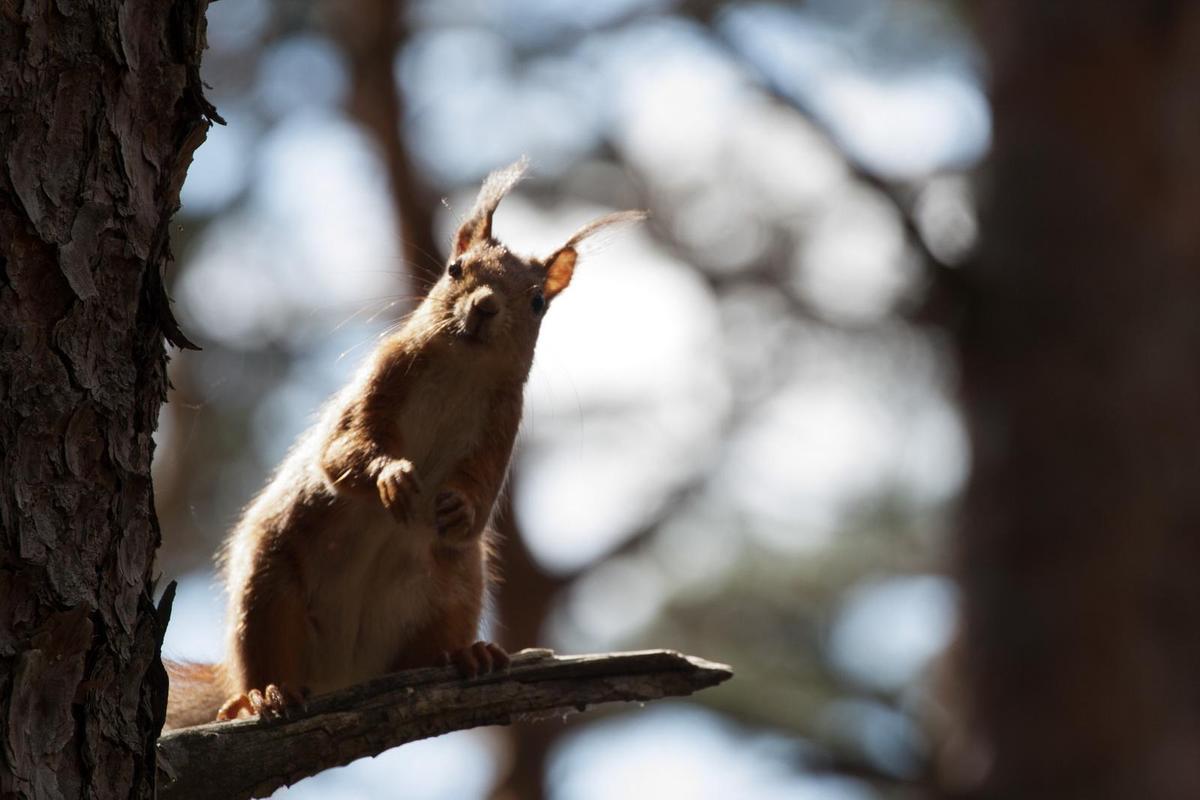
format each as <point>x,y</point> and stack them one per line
<point>523,604</point>
<point>101,111</point>
<point>371,33</point>
<point>1081,543</point>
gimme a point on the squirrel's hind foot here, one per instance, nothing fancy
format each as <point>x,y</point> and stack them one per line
<point>478,659</point>
<point>271,702</point>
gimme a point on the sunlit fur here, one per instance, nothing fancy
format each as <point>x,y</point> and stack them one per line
<point>337,571</point>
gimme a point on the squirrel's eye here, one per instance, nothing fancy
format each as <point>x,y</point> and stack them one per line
<point>455,270</point>
<point>539,303</point>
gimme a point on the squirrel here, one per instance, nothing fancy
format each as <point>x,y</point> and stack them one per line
<point>369,550</point>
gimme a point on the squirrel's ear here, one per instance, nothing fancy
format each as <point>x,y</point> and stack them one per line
<point>561,266</point>
<point>477,227</point>
<point>559,269</point>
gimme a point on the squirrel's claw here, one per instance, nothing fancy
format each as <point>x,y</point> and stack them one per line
<point>478,659</point>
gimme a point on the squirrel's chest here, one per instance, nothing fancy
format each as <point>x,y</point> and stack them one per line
<point>441,421</point>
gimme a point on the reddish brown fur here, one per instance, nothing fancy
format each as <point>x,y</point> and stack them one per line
<point>369,549</point>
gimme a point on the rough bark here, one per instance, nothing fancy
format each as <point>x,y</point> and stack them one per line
<point>100,111</point>
<point>1081,369</point>
<point>236,760</point>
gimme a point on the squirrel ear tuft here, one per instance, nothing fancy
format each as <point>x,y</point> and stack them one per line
<point>559,269</point>
<point>477,227</point>
<point>608,221</point>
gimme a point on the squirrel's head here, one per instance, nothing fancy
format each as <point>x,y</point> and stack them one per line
<point>492,299</point>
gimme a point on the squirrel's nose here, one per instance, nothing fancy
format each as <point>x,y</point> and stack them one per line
<point>487,305</point>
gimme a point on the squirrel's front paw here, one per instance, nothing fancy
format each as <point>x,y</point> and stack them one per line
<point>455,516</point>
<point>398,488</point>
<point>270,703</point>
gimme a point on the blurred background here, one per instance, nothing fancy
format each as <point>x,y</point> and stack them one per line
<point>739,440</point>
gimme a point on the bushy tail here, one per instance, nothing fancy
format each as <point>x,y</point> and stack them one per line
<point>197,693</point>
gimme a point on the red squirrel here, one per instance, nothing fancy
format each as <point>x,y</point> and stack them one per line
<point>369,549</point>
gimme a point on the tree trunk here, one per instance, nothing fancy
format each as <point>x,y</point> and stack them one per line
<point>1081,368</point>
<point>100,111</point>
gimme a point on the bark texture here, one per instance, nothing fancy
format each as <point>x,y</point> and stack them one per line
<point>1082,385</point>
<point>100,111</point>
<point>230,761</point>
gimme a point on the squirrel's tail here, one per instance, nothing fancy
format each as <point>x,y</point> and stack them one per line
<point>197,693</point>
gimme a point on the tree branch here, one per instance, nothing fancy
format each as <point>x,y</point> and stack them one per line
<point>252,758</point>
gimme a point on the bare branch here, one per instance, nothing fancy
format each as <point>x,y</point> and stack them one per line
<point>253,758</point>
